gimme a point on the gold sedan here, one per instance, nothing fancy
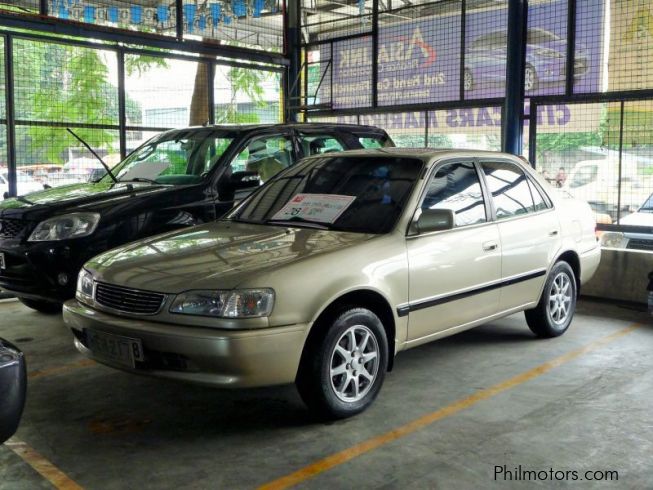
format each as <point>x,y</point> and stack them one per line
<point>334,266</point>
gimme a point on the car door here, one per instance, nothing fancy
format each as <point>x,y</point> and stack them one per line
<point>529,231</point>
<point>451,273</point>
<point>262,156</point>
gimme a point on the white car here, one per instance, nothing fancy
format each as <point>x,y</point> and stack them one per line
<point>634,239</point>
<point>26,184</point>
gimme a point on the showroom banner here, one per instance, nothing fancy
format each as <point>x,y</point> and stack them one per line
<point>555,118</point>
<point>419,62</point>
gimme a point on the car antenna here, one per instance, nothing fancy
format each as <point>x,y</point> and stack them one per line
<point>106,167</point>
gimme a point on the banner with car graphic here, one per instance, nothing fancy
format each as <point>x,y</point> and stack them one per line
<point>419,60</point>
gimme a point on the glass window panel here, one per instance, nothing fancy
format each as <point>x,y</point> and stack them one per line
<point>457,187</point>
<point>246,95</point>
<point>510,190</point>
<point>66,84</point>
<point>164,92</point>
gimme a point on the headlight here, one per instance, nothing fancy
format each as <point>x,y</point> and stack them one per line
<point>74,225</point>
<point>612,239</point>
<point>84,291</point>
<point>238,303</point>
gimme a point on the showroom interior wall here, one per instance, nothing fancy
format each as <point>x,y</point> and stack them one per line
<point>129,72</point>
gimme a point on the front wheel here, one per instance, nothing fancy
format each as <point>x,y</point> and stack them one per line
<point>342,371</point>
<point>46,307</point>
<point>553,314</point>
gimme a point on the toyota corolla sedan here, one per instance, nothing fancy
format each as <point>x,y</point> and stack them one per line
<point>333,267</point>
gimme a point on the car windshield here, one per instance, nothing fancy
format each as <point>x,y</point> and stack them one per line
<point>182,159</point>
<point>647,207</point>
<point>356,194</point>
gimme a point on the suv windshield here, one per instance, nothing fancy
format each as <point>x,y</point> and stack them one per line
<point>357,194</point>
<point>182,159</point>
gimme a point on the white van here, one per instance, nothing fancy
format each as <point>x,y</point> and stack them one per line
<point>597,182</point>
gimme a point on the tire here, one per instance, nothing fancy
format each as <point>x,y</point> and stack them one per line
<point>555,311</point>
<point>531,80</point>
<point>45,307</point>
<point>330,380</point>
<point>468,80</point>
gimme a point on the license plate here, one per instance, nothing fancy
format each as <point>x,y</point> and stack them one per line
<point>116,348</point>
<point>3,264</point>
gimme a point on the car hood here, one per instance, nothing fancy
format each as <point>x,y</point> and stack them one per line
<point>74,197</point>
<point>219,255</point>
<point>638,219</point>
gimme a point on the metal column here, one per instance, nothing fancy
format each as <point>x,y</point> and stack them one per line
<point>513,108</point>
<point>292,88</point>
<point>11,116</point>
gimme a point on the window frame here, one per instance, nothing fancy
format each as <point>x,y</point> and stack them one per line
<point>489,210</point>
<point>547,199</point>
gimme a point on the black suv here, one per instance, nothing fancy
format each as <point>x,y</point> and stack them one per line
<point>179,178</point>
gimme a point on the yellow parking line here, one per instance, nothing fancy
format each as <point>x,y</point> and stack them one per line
<point>82,363</point>
<point>47,470</point>
<point>346,455</point>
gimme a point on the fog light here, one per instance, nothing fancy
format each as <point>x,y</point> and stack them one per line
<point>62,279</point>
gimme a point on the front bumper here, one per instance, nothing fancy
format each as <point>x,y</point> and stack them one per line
<point>33,270</point>
<point>225,358</point>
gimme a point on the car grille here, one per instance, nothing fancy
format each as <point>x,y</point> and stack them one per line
<point>640,244</point>
<point>128,300</point>
<point>11,228</point>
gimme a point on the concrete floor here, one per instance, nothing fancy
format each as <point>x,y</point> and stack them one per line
<point>590,411</point>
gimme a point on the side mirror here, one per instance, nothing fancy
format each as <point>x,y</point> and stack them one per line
<point>434,220</point>
<point>13,386</point>
<point>244,180</point>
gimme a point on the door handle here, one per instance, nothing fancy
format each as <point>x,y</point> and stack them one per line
<point>489,246</point>
<point>553,233</point>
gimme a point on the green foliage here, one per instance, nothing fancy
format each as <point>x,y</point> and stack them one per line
<point>248,82</point>
<point>561,142</point>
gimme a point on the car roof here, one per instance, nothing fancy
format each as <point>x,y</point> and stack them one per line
<point>249,128</point>
<point>428,155</point>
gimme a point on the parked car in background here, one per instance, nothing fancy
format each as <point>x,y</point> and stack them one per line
<point>177,179</point>
<point>597,182</point>
<point>13,386</point>
<point>546,58</point>
<point>634,238</point>
<point>25,183</point>
<point>335,265</point>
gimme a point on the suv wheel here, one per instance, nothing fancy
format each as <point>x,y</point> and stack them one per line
<point>341,372</point>
<point>553,314</point>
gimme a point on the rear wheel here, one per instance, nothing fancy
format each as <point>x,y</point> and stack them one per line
<point>553,314</point>
<point>46,307</point>
<point>342,371</point>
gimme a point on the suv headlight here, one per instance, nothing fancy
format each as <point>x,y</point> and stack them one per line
<point>73,225</point>
<point>613,239</point>
<point>236,303</point>
<point>84,291</point>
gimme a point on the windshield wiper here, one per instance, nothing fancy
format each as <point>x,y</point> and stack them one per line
<point>297,220</point>
<point>106,167</point>
<point>141,179</point>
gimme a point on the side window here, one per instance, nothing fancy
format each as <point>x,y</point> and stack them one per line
<point>510,189</point>
<point>539,203</point>
<point>374,141</point>
<point>456,186</point>
<point>267,156</point>
<point>318,144</point>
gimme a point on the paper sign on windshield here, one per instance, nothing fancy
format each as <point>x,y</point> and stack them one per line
<point>323,208</point>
